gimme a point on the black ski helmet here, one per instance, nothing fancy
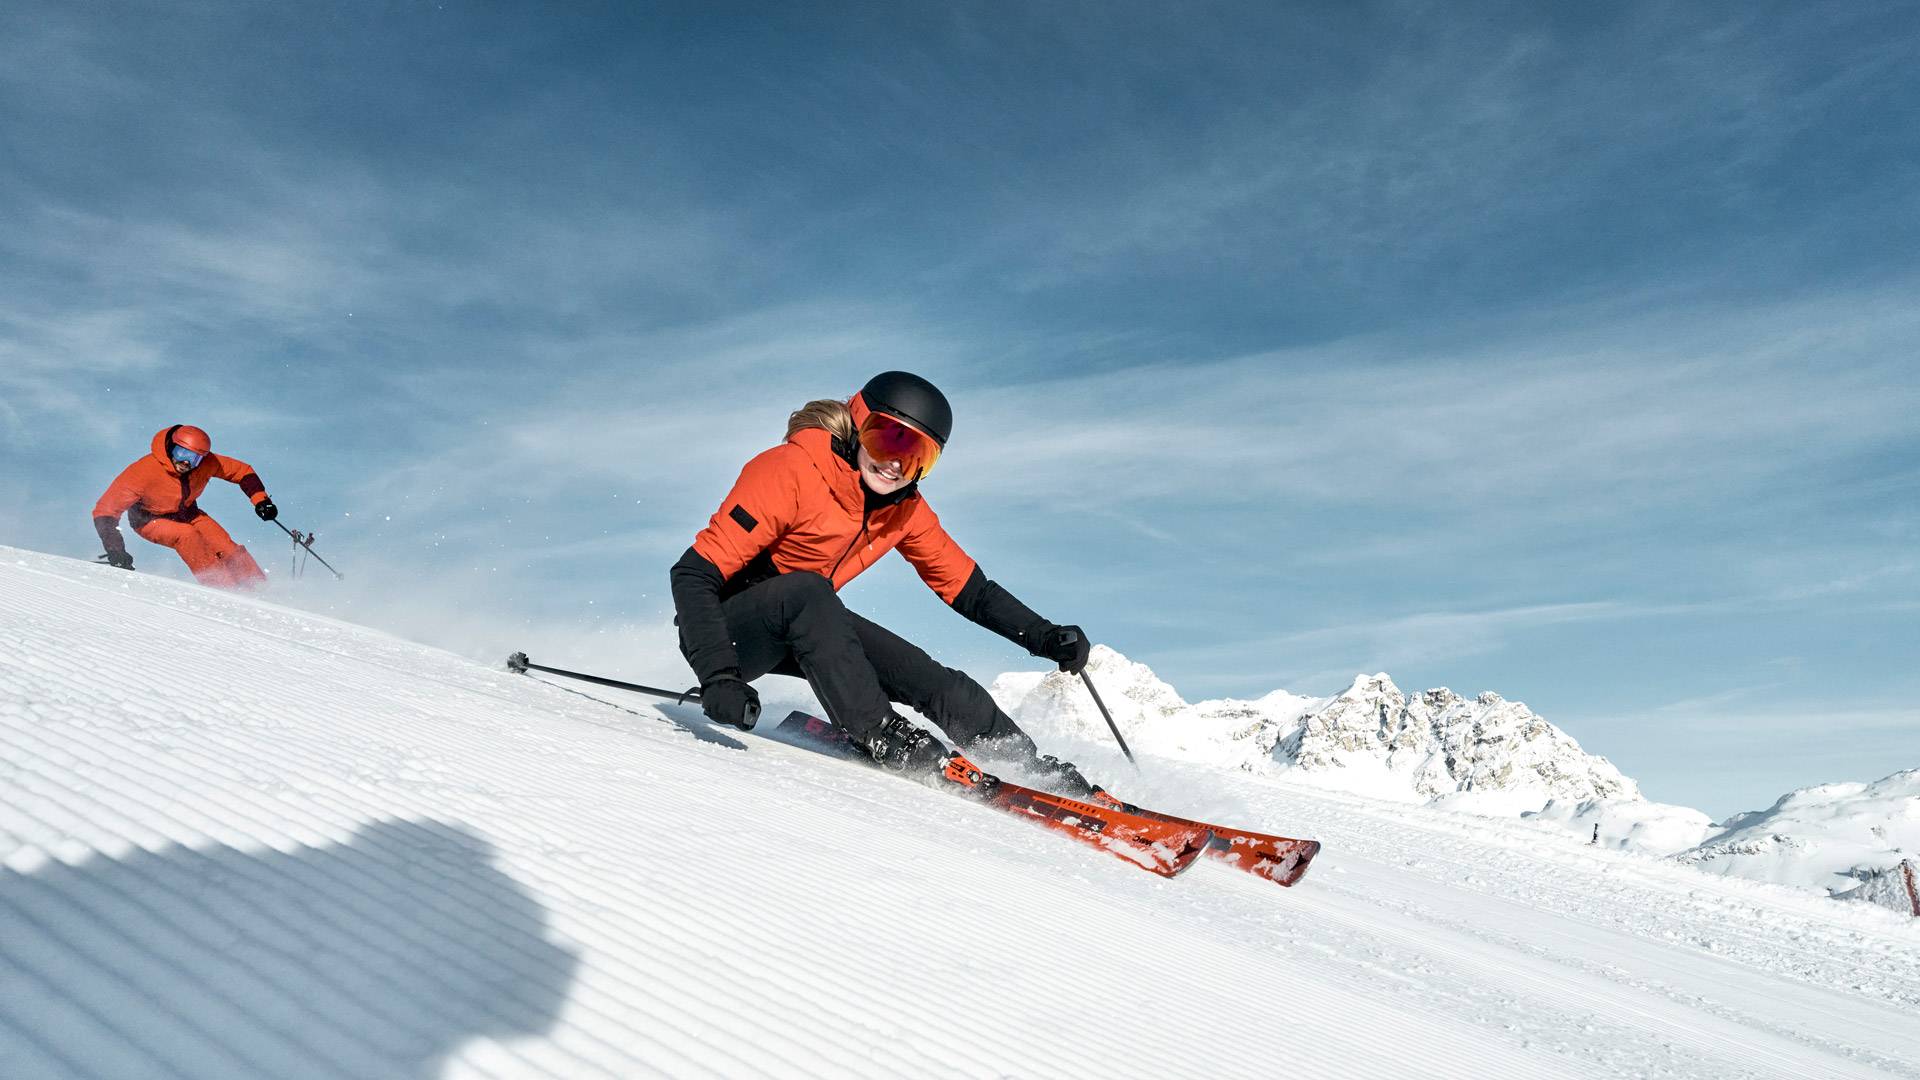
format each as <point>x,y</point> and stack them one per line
<point>913,399</point>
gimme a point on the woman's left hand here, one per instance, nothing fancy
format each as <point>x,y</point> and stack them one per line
<point>1066,646</point>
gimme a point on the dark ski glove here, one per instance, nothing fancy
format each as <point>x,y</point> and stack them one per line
<point>1066,646</point>
<point>731,700</point>
<point>266,510</point>
<point>119,559</point>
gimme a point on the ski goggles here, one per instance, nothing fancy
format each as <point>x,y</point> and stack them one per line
<point>189,458</point>
<point>888,438</point>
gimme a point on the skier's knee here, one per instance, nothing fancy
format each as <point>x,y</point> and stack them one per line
<point>801,592</point>
<point>806,605</point>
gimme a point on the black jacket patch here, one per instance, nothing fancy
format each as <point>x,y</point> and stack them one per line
<point>742,518</point>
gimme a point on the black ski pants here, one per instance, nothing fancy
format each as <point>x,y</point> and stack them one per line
<point>795,624</point>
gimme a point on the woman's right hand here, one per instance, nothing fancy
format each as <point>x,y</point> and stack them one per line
<point>730,700</point>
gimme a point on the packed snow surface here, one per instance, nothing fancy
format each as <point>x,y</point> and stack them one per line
<point>238,841</point>
<point>1632,825</point>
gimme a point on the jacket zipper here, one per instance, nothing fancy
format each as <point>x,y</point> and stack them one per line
<point>835,572</point>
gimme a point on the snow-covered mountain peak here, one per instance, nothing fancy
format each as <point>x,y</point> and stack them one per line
<point>1379,682</point>
<point>1151,715</point>
<point>1137,697</point>
<point>1131,680</point>
<point>1832,835</point>
<point>1372,738</point>
<point>1438,743</point>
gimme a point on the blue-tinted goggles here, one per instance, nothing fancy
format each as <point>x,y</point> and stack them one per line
<point>187,457</point>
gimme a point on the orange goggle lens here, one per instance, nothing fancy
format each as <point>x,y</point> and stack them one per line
<point>889,439</point>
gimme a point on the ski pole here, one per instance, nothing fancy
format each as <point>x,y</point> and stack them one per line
<point>520,665</point>
<point>1108,717</point>
<point>307,543</point>
<point>1111,726</point>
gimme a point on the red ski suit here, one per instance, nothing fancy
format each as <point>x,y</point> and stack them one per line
<point>161,505</point>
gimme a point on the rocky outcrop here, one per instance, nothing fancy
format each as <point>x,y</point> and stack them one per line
<point>1441,743</point>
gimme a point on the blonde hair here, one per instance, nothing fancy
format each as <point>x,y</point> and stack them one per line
<point>833,416</point>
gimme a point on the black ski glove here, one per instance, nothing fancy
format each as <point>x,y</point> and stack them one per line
<point>266,510</point>
<point>1066,646</point>
<point>119,559</point>
<point>729,699</point>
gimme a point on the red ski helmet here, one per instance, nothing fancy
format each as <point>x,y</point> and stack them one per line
<point>192,438</point>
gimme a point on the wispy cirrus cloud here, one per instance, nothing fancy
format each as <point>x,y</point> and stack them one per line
<point>1475,150</point>
<point>1424,640</point>
<point>1643,409</point>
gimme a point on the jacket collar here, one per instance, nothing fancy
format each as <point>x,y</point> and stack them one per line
<point>842,478</point>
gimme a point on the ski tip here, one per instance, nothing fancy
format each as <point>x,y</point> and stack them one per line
<point>1291,867</point>
<point>1307,853</point>
<point>1281,860</point>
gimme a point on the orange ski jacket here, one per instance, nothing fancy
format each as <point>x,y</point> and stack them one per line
<point>152,488</point>
<point>804,507</point>
<point>801,508</point>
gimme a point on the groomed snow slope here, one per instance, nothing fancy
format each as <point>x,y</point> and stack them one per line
<point>239,841</point>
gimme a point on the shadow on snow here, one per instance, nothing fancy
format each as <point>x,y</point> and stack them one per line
<point>373,958</point>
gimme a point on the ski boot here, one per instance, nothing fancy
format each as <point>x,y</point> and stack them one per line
<point>897,745</point>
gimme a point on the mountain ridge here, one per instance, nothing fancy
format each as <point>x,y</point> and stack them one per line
<point>1483,755</point>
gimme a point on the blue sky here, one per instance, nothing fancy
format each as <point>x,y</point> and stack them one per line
<point>1564,351</point>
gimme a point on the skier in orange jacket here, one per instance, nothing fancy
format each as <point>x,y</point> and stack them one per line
<point>756,594</point>
<point>160,494</point>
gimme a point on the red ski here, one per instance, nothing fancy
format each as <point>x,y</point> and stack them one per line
<point>1280,859</point>
<point>1164,847</point>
